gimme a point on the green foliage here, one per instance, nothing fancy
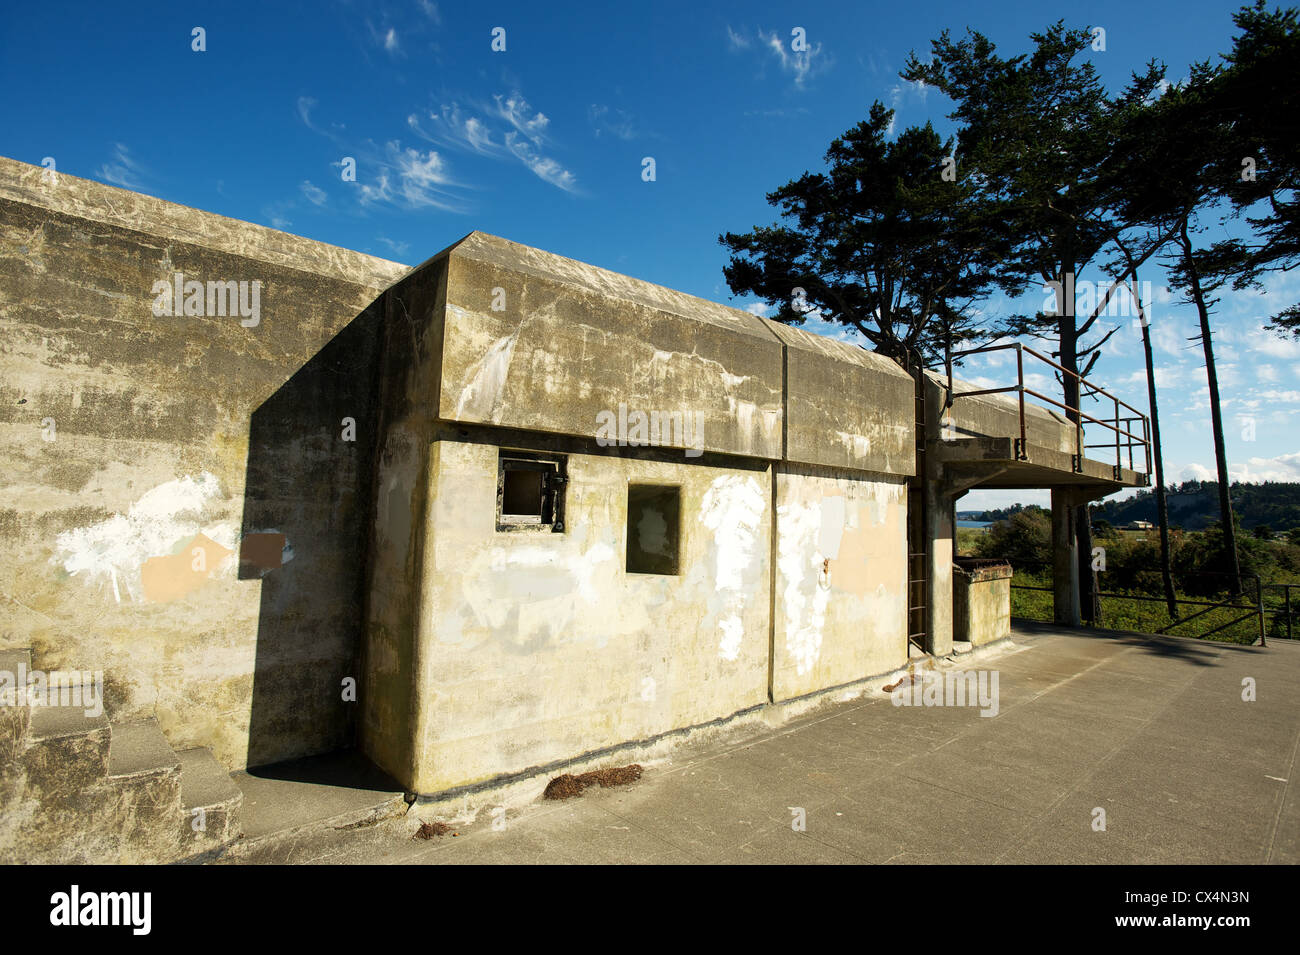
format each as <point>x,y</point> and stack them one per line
<point>1194,505</point>
<point>1259,94</point>
<point>883,242</point>
<point>1043,133</point>
<point>1025,538</point>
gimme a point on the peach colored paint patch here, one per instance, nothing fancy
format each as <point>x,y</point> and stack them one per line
<point>175,575</point>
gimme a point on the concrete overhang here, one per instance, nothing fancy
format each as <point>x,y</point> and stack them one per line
<point>982,432</point>
<point>1038,467</point>
<point>514,337</point>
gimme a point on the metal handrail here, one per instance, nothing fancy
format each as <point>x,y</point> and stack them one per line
<point>1131,438</point>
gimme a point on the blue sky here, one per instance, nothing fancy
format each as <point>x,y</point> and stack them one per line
<point>544,142</point>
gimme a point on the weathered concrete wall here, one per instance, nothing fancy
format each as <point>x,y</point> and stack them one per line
<point>125,436</point>
<point>981,604</point>
<point>846,407</point>
<point>571,341</point>
<point>535,647</point>
<point>492,652</point>
<point>841,605</point>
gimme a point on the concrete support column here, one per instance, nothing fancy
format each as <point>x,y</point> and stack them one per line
<point>1065,559</point>
<point>940,534</point>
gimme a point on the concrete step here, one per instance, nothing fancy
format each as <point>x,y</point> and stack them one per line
<point>140,749</point>
<point>144,775</point>
<point>210,800</point>
<point>67,749</point>
<point>289,808</point>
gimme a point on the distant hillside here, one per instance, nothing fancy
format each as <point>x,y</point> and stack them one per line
<point>1193,506</point>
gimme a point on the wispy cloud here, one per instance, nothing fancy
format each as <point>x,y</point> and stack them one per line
<point>736,41</point>
<point>397,248</point>
<point>615,122</point>
<point>411,178</point>
<point>800,64</point>
<point>391,173</point>
<point>385,37</point>
<point>454,126</point>
<point>313,194</point>
<point>507,127</point>
<point>122,170</point>
<point>431,11</point>
<point>545,168</point>
<point>514,109</point>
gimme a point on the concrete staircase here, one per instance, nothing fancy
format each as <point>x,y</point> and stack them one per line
<point>82,789</point>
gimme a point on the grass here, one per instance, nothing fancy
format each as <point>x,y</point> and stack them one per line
<point>1141,616</point>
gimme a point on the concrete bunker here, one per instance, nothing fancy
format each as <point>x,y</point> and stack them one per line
<point>465,487</point>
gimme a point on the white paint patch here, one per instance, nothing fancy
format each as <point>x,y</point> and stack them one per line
<point>526,594</point>
<point>832,529</point>
<point>806,595</point>
<point>858,445</point>
<point>113,551</point>
<point>732,509</point>
<point>487,379</point>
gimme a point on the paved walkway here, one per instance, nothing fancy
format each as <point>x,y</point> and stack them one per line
<point>1152,730</point>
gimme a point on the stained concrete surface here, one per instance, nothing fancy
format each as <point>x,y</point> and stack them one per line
<point>1154,730</point>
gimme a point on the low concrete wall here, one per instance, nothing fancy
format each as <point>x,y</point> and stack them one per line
<point>981,603</point>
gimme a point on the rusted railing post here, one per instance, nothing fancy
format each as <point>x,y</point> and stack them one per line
<point>1119,460</point>
<point>1020,388</point>
<point>1286,597</point>
<point>1259,609</point>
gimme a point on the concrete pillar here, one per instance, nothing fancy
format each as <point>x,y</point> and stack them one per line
<point>940,532</point>
<point>1065,559</point>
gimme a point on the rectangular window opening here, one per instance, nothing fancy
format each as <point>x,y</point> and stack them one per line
<point>653,529</point>
<point>530,491</point>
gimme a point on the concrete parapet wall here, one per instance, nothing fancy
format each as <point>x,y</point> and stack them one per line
<point>981,603</point>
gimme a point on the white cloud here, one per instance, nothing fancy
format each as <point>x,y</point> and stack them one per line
<point>514,109</point>
<point>1283,467</point>
<point>305,106</point>
<point>800,65</point>
<point>456,127</point>
<point>398,248</point>
<point>314,194</point>
<point>431,11</point>
<point>543,167</point>
<point>387,39</point>
<point>735,40</point>
<point>508,127</point>
<point>410,178</point>
<point>617,123</point>
<point>122,170</point>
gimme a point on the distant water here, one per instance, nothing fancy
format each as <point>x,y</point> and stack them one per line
<point>974,523</point>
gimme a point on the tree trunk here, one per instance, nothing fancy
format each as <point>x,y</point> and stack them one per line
<point>1216,413</point>
<point>1068,335</point>
<point>1162,509</point>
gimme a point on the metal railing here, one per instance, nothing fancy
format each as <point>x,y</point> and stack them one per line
<point>1288,612</point>
<point>1126,438</point>
<point>1249,599</point>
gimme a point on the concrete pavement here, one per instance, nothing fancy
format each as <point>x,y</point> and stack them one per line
<point>1153,731</point>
